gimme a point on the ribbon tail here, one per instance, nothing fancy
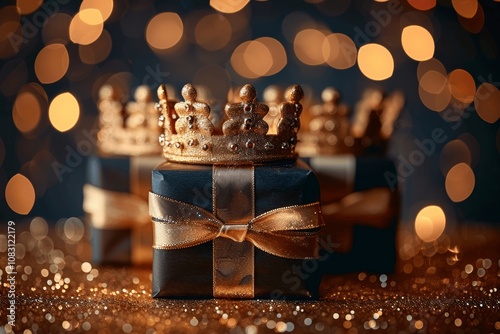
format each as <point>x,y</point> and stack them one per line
<point>180,225</point>
<point>113,210</point>
<point>286,245</point>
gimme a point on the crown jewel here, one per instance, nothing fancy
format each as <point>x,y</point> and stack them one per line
<point>190,136</point>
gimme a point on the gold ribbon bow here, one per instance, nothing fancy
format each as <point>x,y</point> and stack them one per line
<point>287,232</point>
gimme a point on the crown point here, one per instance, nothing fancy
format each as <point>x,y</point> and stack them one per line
<point>272,94</point>
<point>330,94</point>
<point>248,93</point>
<point>107,92</point>
<point>162,92</point>
<point>295,94</point>
<point>189,92</point>
<point>142,94</point>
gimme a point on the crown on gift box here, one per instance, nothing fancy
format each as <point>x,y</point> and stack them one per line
<point>189,135</point>
<point>128,128</point>
<point>330,130</point>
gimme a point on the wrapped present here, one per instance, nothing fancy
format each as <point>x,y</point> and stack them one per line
<point>119,177</point>
<point>358,188</point>
<point>234,214</point>
<point>361,210</point>
<point>184,198</point>
<point>115,200</point>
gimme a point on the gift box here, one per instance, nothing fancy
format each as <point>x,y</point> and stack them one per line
<point>239,231</point>
<point>360,205</point>
<point>115,201</point>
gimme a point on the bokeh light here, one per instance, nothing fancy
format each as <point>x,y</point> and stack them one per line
<point>228,7</point>
<point>417,43</point>
<point>56,29</point>
<point>465,8</point>
<point>339,51</point>
<point>308,46</point>
<point>430,223</point>
<point>430,65</point>
<point>460,182</point>
<point>26,112</point>
<point>213,32</point>
<point>98,51</point>
<point>164,31</point>
<point>462,85</point>
<point>433,82</point>
<point>31,102</point>
<point>28,6</point>
<point>487,102</point>
<point>474,24</point>
<point>105,7</point>
<point>39,228</point>
<point>11,34</point>
<point>261,57</point>
<point>73,229</point>
<point>278,54</point>
<point>86,26</point>
<point>422,4</point>
<point>454,152</point>
<point>258,58</point>
<point>10,21</point>
<point>433,90</point>
<point>332,8</point>
<point>64,112</point>
<point>375,62</point>
<point>51,63</point>
<point>20,194</point>
<point>238,62</point>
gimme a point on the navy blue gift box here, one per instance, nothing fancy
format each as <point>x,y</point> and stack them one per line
<point>115,200</point>
<point>188,272</point>
<point>360,204</point>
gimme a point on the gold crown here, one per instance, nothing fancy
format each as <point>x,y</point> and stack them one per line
<point>330,131</point>
<point>128,128</point>
<point>190,136</point>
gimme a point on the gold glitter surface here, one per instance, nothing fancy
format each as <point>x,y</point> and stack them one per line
<point>452,289</point>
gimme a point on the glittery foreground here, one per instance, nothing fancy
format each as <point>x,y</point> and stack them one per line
<point>448,286</point>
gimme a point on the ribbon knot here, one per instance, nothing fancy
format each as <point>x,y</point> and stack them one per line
<point>237,232</point>
<point>289,232</point>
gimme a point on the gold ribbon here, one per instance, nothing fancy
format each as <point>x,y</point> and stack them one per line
<point>233,197</point>
<point>112,210</point>
<point>284,232</point>
<point>288,232</point>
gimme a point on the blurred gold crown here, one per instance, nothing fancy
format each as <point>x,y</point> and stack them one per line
<point>330,131</point>
<point>190,136</point>
<point>128,128</point>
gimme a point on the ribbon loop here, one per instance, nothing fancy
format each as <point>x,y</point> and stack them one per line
<point>234,232</point>
<point>288,232</point>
